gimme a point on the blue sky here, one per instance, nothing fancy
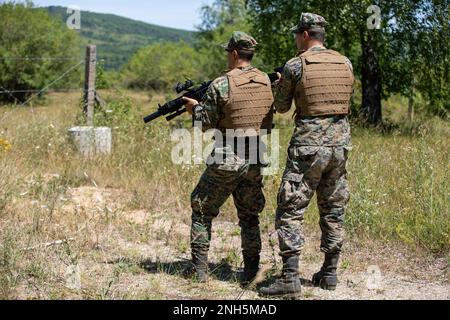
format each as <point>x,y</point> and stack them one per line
<point>181,14</point>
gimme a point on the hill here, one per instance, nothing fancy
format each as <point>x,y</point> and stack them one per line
<point>118,38</point>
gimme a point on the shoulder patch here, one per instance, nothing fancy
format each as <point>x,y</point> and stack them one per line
<point>294,61</point>
<point>221,85</point>
<point>294,69</point>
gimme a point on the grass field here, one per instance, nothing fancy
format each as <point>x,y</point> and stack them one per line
<point>58,209</point>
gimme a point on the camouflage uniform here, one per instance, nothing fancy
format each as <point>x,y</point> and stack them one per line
<point>218,182</point>
<point>317,159</point>
<point>235,176</point>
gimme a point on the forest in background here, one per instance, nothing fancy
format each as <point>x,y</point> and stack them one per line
<point>407,56</point>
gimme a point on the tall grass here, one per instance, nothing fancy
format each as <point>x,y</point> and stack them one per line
<point>400,188</point>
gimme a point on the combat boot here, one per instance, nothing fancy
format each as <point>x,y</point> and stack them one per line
<point>198,268</point>
<point>326,278</point>
<point>251,268</point>
<point>289,285</point>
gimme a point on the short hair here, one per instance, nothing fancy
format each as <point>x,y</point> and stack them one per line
<point>246,54</point>
<point>316,35</point>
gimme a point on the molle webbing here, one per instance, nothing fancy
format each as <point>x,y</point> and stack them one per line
<point>326,86</point>
<point>250,103</point>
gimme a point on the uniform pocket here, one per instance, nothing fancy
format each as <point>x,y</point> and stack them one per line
<point>302,153</point>
<point>226,161</point>
<point>300,159</point>
<point>290,193</point>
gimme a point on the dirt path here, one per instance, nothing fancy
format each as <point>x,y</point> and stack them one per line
<point>363,275</point>
<point>141,255</point>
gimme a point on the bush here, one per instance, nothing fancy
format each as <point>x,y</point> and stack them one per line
<point>161,66</point>
<point>117,113</point>
<point>27,32</point>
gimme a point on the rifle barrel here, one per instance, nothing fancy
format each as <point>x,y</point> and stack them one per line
<point>153,116</point>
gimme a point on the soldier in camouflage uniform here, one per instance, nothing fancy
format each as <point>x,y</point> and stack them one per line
<point>320,82</point>
<point>227,107</point>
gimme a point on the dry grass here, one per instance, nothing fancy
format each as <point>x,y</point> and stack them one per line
<point>125,218</point>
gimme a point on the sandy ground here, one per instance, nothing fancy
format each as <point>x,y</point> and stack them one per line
<point>141,255</point>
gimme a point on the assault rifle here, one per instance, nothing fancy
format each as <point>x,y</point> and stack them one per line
<point>175,108</point>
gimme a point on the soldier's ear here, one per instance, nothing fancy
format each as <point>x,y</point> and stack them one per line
<point>305,35</point>
<point>235,55</point>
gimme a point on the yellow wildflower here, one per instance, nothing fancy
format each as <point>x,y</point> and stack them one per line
<point>5,145</point>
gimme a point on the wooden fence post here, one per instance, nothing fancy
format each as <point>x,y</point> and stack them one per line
<point>88,140</point>
<point>89,84</point>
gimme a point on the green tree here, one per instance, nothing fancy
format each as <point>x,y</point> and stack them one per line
<point>33,50</point>
<point>414,57</point>
<point>160,66</point>
<point>219,20</point>
<point>390,60</point>
<point>433,62</point>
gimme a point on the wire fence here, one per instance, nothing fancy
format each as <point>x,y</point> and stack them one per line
<point>37,91</point>
<point>42,58</point>
<point>48,88</point>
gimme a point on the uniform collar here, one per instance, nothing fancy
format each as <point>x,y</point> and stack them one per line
<point>249,67</point>
<point>317,47</point>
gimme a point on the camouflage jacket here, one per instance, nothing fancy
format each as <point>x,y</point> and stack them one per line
<point>209,111</point>
<point>318,131</point>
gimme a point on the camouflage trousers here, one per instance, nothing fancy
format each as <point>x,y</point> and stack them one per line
<point>245,183</point>
<point>311,169</point>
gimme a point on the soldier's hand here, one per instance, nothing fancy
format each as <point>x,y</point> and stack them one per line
<point>279,78</point>
<point>190,104</point>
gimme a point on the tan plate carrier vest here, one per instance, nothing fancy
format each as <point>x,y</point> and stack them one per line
<point>250,102</point>
<point>326,86</point>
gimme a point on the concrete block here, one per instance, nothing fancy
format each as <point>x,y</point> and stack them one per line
<point>91,141</point>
